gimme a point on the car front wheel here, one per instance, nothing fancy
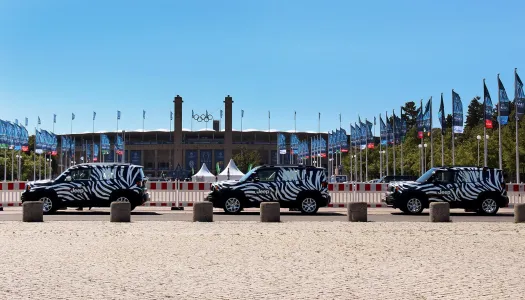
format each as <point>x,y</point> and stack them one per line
<point>49,206</point>
<point>232,205</point>
<point>488,206</point>
<point>413,206</point>
<point>309,205</point>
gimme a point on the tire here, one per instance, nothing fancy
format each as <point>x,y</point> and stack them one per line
<point>308,205</point>
<point>50,204</point>
<point>413,206</point>
<point>125,198</point>
<point>232,205</point>
<point>488,206</point>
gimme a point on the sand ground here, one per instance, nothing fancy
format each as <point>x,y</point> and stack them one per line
<point>251,260</point>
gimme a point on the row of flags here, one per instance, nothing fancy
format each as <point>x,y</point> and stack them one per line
<point>361,134</point>
<point>318,147</point>
<point>13,136</point>
<point>45,142</point>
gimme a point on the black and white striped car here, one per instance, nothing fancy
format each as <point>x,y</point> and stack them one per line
<point>472,188</point>
<point>90,185</point>
<point>298,187</point>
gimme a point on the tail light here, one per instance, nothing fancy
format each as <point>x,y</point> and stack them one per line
<point>324,184</point>
<point>139,183</point>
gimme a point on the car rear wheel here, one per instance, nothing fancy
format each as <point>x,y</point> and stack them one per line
<point>413,206</point>
<point>232,205</point>
<point>50,206</point>
<point>309,205</point>
<point>124,198</point>
<point>488,206</point>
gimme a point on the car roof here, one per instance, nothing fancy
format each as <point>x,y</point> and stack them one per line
<point>104,164</point>
<point>291,166</point>
<point>465,168</point>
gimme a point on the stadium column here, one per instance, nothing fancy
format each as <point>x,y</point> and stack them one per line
<point>177,133</point>
<point>228,143</point>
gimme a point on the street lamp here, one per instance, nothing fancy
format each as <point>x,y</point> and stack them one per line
<point>45,173</point>
<point>478,138</point>
<point>425,158</point>
<point>381,163</point>
<point>420,158</point>
<point>19,158</point>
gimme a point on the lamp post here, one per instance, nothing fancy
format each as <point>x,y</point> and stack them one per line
<point>19,158</point>
<point>355,166</point>
<point>478,138</point>
<point>381,163</point>
<point>425,158</point>
<point>48,162</point>
<point>420,158</point>
<point>485,158</point>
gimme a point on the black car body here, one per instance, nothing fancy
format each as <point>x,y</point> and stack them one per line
<point>90,185</point>
<point>395,178</point>
<point>299,187</point>
<point>472,188</point>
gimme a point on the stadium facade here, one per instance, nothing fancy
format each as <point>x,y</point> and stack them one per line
<point>175,153</point>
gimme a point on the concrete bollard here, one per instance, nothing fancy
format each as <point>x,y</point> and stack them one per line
<point>357,212</point>
<point>120,212</point>
<point>270,212</point>
<point>33,211</point>
<point>203,212</point>
<point>519,213</point>
<point>439,212</point>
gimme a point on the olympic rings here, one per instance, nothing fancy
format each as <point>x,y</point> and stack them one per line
<point>203,117</point>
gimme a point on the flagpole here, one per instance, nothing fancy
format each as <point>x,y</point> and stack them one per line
<point>380,149</point>
<point>517,126</point>
<point>431,138</point>
<point>386,146</point>
<point>394,139</point>
<point>93,139</point>
<point>485,126</point>
<point>453,150</point>
<point>366,152</point>
<point>401,139</point>
<point>34,159</point>
<point>499,127</point>
<point>116,138</point>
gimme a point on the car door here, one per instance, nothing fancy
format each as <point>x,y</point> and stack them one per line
<point>81,190</point>
<point>266,184</point>
<point>443,188</point>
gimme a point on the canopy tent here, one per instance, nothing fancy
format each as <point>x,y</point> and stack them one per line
<point>204,175</point>
<point>231,172</point>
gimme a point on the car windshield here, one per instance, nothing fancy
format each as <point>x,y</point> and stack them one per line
<point>247,175</point>
<point>425,177</point>
<point>61,176</point>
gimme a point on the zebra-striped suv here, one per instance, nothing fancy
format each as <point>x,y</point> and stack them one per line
<point>472,188</point>
<point>90,185</point>
<point>303,188</point>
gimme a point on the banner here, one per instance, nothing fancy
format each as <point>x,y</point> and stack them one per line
<point>457,113</point>
<point>294,144</point>
<point>104,144</point>
<point>382,131</point>
<point>503,105</point>
<point>3,135</point>
<point>487,109</point>
<point>519,96</point>
<point>135,157</point>
<point>281,143</point>
<point>219,159</point>
<point>343,140</point>
<point>119,145</point>
<point>427,127</point>
<point>205,158</point>
<point>369,135</point>
<point>95,153</point>
<point>441,116</point>
<point>191,161</point>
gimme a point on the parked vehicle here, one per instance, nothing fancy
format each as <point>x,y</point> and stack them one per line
<point>293,186</point>
<point>90,185</point>
<point>395,178</point>
<point>472,188</point>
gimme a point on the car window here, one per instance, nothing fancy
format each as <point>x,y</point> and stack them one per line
<point>81,174</point>
<point>267,175</point>
<point>108,173</point>
<point>289,174</point>
<point>444,177</point>
<point>468,176</point>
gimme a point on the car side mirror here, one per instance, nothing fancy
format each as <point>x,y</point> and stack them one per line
<point>68,179</point>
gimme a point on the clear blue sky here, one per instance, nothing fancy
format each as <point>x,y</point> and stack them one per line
<point>349,57</point>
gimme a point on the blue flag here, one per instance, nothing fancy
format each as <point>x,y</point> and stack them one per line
<point>503,105</point>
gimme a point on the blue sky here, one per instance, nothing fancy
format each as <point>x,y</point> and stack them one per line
<point>349,57</point>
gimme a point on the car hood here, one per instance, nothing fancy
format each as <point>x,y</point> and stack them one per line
<point>40,183</point>
<point>224,184</point>
<point>402,185</point>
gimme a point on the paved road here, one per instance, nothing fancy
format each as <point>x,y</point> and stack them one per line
<point>327,215</point>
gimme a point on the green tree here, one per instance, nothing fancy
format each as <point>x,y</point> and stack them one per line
<point>410,113</point>
<point>474,113</point>
<point>245,158</point>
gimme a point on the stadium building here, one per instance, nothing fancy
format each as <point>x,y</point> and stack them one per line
<point>175,153</point>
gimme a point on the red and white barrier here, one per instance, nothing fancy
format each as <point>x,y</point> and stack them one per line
<point>184,194</point>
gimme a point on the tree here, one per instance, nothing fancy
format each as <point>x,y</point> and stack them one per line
<point>474,113</point>
<point>448,120</point>
<point>245,158</point>
<point>410,113</point>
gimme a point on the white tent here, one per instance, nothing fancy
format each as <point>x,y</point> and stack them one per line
<point>204,175</point>
<point>231,170</point>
